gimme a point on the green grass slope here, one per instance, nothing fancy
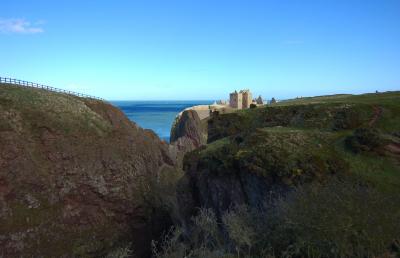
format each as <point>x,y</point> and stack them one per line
<point>362,130</point>
<point>39,106</point>
<point>324,170</point>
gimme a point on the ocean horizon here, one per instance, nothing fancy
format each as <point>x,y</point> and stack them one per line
<point>157,115</point>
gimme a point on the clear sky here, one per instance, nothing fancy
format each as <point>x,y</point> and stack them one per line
<point>188,49</point>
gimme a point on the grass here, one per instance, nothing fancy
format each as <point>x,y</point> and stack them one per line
<point>337,219</point>
<point>288,129</point>
<point>214,146</point>
<point>36,108</point>
<point>328,117</point>
<point>369,98</point>
<point>284,154</point>
<point>24,217</point>
<point>381,171</point>
<point>389,101</point>
<point>338,203</point>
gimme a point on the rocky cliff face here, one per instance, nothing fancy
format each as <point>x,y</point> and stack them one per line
<point>257,168</point>
<point>72,174</point>
<point>188,133</point>
<point>255,156</point>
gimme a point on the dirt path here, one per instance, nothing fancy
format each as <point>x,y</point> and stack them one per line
<point>377,114</point>
<point>393,148</point>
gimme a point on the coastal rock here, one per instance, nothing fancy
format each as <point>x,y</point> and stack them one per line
<point>189,126</point>
<point>188,132</point>
<point>256,156</point>
<point>71,176</point>
<point>255,168</point>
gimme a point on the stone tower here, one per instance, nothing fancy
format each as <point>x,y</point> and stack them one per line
<point>247,98</point>
<point>236,100</point>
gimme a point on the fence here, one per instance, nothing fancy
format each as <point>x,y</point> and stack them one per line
<point>41,86</point>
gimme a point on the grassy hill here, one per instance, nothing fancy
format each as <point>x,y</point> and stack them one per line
<point>363,130</point>
<point>309,177</point>
<point>72,176</point>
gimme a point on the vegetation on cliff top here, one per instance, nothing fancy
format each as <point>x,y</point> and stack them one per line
<point>311,177</point>
<point>40,107</point>
<point>327,168</point>
<point>340,127</point>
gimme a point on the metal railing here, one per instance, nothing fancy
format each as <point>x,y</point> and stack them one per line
<point>45,87</point>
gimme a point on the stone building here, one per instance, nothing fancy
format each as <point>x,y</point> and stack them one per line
<point>247,98</point>
<point>241,99</point>
<point>235,100</point>
<point>259,100</point>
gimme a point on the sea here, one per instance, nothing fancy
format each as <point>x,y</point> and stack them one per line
<point>156,115</point>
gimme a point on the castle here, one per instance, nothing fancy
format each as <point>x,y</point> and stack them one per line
<point>241,99</point>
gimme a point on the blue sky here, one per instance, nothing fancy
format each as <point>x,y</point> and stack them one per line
<point>175,50</point>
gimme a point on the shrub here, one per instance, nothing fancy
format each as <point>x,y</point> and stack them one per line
<point>253,105</point>
<point>206,227</point>
<point>204,240</point>
<point>240,226</point>
<point>171,245</point>
<point>157,195</point>
<point>347,118</point>
<point>365,139</point>
<point>339,219</point>
<point>122,252</point>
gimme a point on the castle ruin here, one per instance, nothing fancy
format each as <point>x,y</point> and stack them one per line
<point>259,100</point>
<point>241,99</point>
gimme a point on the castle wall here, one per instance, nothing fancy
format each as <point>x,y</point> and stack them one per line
<point>236,100</point>
<point>240,101</point>
<point>247,99</point>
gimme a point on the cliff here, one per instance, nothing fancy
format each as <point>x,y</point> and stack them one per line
<point>263,152</point>
<point>314,175</point>
<point>292,165</point>
<point>73,174</point>
<point>188,133</point>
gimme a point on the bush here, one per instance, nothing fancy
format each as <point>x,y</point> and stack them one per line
<point>253,105</point>
<point>341,220</point>
<point>240,226</point>
<point>157,195</point>
<point>204,240</point>
<point>334,220</point>
<point>122,252</point>
<point>365,139</point>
